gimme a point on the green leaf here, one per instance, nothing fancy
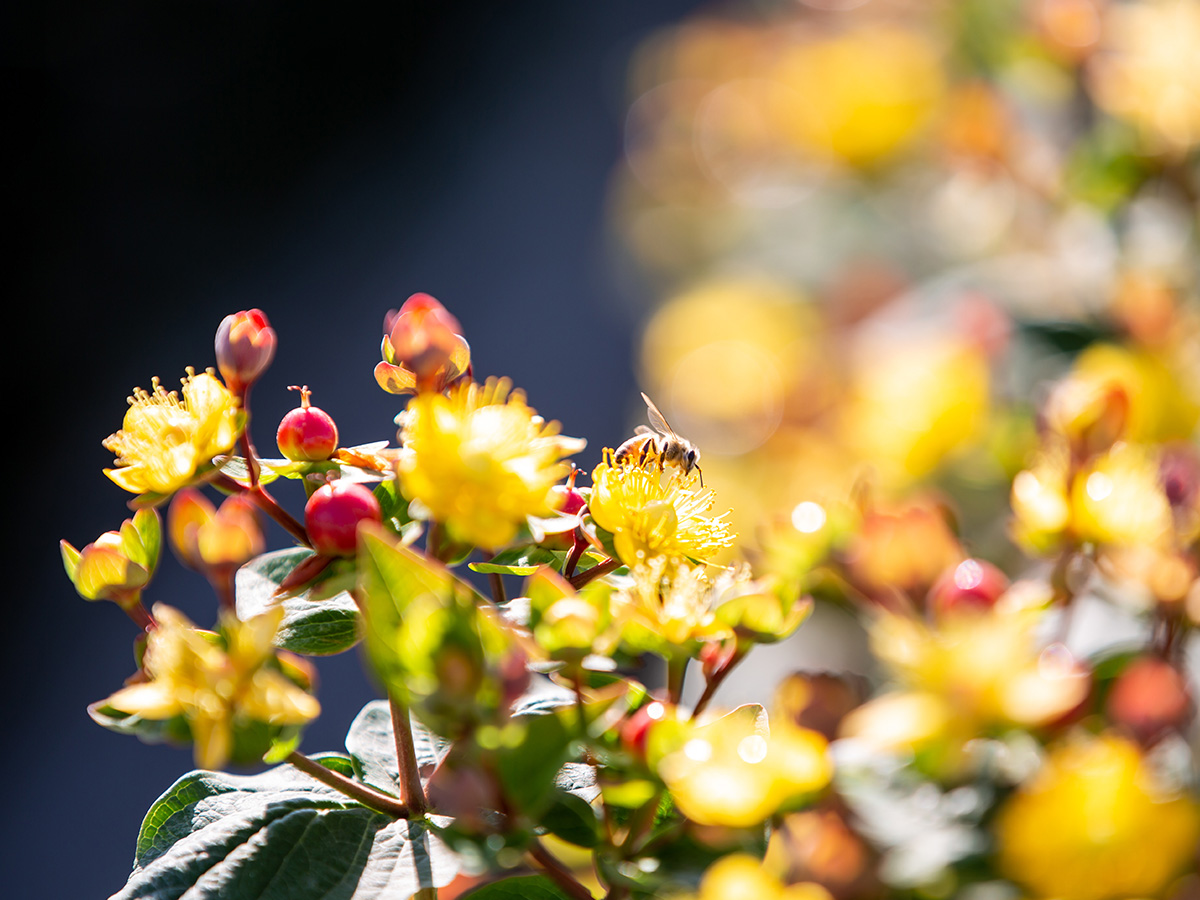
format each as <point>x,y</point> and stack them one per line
<point>573,819</point>
<point>314,627</point>
<point>279,835</point>
<point>524,887</point>
<point>526,555</point>
<point>488,568</point>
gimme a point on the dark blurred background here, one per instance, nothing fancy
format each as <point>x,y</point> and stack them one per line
<point>177,162</point>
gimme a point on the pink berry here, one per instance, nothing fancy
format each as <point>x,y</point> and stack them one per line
<point>307,433</point>
<point>971,585</point>
<point>333,513</point>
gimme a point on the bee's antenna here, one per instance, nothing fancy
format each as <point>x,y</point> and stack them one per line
<point>701,471</point>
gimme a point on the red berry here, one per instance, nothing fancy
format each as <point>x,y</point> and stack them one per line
<point>972,585</point>
<point>635,729</point>
<point>333,513</point>
<point>307,434</point>
<point>569,502</point>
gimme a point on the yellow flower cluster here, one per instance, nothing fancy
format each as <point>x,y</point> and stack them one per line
<point>481,461</point>
<point>211,688</point>
<point>167,442</point>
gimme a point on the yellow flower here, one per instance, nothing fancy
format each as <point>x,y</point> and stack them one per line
<point>862,95</point>
<point>1091,825</point>
<point>739,876</point>
<point>165,442</point>
<point>1119,500</point>
<point>481,461</point>
<point>1151,73</point>
<point>737,771</point>
<point>988,667</point>
<point>1040,502</point>
<point>211,688</point>
<point>669,609</point>
<point>652,514</point>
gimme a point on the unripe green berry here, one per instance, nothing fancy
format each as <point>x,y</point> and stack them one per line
<point>307,433</point>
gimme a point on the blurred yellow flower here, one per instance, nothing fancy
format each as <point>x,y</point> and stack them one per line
<point>1091,825</point>
<point>656,514</point>
<point>862,95</point>
<point>739,876</point>
<point>211,688</point>
<point>481,461</point>
<point>916,401</point>
<point>1119,500</point>
<point>1150,72</point>
<point>166,442</point>
<point>1162,398</point>
<point>1040,502</point>
<point>987,666</point>
<point>737,771</point>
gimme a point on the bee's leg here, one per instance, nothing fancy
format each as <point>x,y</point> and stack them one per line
<point>642,457</point>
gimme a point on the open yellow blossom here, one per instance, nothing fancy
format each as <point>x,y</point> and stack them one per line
<point>739,875</point>
<point>738,771</point>
<point>167,442</point>
<point>481,461</point>
<point>1091,825</point>
<point>211,688</point>
<point>669,609</point>
<point>1118,500</point>
<point>656,514</point>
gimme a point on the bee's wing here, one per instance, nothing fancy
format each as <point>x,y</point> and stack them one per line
<point>657,419</point>
<point>642,429</point>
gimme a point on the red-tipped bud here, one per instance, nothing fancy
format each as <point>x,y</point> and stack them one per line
<point>333,513</point>
<point>972,585</point>
<point>307,433</point>
<point>245,347</point>
<point>1150,698</point>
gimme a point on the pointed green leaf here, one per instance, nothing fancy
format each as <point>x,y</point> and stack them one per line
<point>315,627</point>
<point>279,835</point>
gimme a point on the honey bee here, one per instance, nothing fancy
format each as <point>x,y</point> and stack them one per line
<point>662,445</point>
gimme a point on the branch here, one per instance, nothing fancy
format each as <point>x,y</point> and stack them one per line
<point>411,790</point>
<point>594,572</point>
<point>558,872</point>
<point>368,797</point>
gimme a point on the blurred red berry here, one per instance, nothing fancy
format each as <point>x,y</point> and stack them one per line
<point>971,585</point>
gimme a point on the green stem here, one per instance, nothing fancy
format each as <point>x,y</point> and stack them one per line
<point>411,790</point>
<point>558,872</point>
<point>676,670</point>
<point>578,581</point>
<point>366,796</point>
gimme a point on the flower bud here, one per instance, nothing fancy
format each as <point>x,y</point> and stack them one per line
<point>232,537</point>
<point>117,565</point>
<point>568,502</point>
<point>635,728</point>
<point>188,512</point>
<point>333,513</point>
<point>245,347</point>
<point>307,433</point>
<point>423,348</point>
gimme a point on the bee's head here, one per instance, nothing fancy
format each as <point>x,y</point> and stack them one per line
<point>691,459</point>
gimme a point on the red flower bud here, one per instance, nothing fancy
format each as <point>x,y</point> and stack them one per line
<point>333,513</point>
<point>635,729</point>
<point>423,348</point>
<point>245,347</point>
<point>307,433</point>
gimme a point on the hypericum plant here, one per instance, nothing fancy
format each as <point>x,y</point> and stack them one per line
<point>518,751</point>
<point>514,752</point>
